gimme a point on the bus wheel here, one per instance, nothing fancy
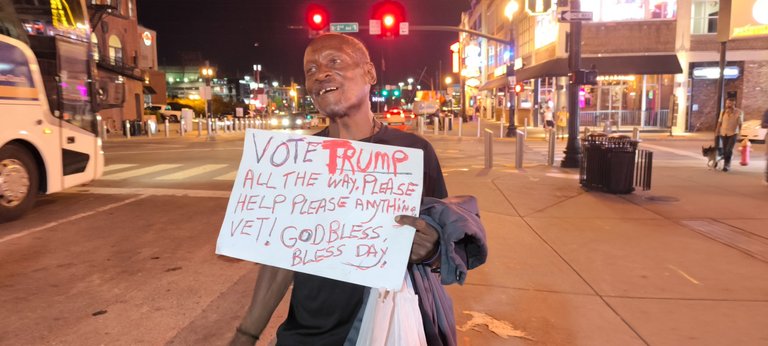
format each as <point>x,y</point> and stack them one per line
<point>18,182</point>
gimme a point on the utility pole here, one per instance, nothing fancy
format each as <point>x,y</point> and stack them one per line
<point>572,151</point>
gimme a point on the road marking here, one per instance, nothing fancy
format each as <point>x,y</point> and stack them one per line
<point>71,218</point>
<point>118,166</point>
<point>674,151</point>
<point>191,172</point>
<point>684,275</point>
<point>503,329</point>
<point>150,192</point>
<point>229,176</point>
<point>138,172</point>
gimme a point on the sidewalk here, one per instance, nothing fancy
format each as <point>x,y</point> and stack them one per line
<point>683,264</point>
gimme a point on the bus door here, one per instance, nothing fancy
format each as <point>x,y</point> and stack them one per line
<point>82,157</point>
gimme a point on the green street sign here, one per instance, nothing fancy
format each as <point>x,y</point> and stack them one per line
<point>344,27</point>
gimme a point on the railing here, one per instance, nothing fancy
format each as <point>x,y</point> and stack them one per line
<point>643,119</point>
<point>119,66</point>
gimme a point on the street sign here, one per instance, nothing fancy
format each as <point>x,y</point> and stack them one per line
<point>374,27</point>
<point>404,28</point>
<point>574,16</point>
<point>344,27</point>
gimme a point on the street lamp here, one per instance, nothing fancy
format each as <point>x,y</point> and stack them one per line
<point>207,72</point>
<point>448,80</point>
<point>509,12</point>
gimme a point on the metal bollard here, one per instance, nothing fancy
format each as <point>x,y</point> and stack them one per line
<point>436,125</point>
<point>501,129</point>
<point>488,146</point>
<point>461,122</point>
<point>525,127</point>
<point>166,127</point>
<point>478,126</point>
<point>421,125</point>
<point>148,126</point>
<point>104,132</point>
<point>519,148</point>
<point>182,128</point>
<point>127,129</point>
<point>551,149</point>
<point>445,126</point>
<point>636,134</point>
<point>450,125</point>
<point>199,127</point>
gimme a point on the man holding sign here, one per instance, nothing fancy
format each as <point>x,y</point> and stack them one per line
<point>325,311</point>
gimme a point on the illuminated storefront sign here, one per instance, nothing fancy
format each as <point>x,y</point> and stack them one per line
<point>749,18</point>
<point>713,72</point>
<point>472,61</point>
<point>612,78</point>
<point>147,38</point>
<point>546,30</point>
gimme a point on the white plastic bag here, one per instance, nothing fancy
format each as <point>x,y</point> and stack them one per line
<point>392,318</point>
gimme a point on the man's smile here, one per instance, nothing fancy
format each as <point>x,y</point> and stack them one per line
<point>327,90</point>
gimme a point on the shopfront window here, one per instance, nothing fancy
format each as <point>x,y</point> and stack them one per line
<point>704,16</point>
<point>626,10</point>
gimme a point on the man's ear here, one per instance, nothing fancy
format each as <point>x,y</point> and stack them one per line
<point>370,73</point>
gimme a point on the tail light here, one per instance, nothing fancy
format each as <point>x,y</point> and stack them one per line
<point>388,115</point>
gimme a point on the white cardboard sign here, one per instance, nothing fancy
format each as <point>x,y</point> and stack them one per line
<point>324,206</point>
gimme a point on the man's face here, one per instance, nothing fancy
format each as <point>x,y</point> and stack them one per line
<point>338,76</point>
<point>729,104</point>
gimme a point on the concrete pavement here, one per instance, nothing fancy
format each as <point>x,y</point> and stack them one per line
<point>685,263</point>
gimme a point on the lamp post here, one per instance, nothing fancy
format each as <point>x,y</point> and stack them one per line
<point>509,12</point>
<point>207,73</point>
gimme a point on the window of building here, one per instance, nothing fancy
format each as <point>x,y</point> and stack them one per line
<point>115,50</point>
<point>704,16</point>
<point>626,10</point>
<point>95,47</point>
<point>491,55</point>
<point>130,8</point>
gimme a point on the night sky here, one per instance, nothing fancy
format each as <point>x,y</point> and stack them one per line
<point>225,31</point>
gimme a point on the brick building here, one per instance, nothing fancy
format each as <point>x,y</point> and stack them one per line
<point>653,58</point>
<point>126,55</point>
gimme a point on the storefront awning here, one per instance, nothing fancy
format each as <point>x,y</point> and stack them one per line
<point>498,82</point>
<point>606,65</point>
<point>148,90</point>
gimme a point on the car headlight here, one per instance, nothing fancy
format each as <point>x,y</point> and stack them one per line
<point>273,122</point>
<point>299,122</point>
<point>286,122</point>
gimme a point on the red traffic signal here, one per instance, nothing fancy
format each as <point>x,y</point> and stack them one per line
<point>391,14</point>
<point>518,88</point>
<point>317,17</point>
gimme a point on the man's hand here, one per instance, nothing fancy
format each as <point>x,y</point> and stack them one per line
<point>424,241</point>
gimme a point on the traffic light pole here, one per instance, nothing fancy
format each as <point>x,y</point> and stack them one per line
<point>572,151</point>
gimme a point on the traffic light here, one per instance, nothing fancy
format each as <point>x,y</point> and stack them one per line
<point>317,18</point>
<point>518,87</point>
<point>396,92</point>
<point>390,14</point>
<point>385,93</point>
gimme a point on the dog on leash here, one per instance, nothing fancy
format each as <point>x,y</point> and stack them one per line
<point>712,155</point>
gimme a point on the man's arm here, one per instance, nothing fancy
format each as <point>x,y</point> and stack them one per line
<point>425,241</point>
<point>271,286</point>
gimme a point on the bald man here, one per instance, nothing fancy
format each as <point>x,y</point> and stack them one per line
<point>339,75</point>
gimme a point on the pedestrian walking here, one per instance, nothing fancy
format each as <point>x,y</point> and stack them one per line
<point>339,75</point>
<point>549,121</point>
<point>562,122</point>
<point>728,126</point>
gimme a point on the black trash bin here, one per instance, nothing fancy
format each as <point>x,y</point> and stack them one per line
<point>136,128</point>
<point>608,163</point>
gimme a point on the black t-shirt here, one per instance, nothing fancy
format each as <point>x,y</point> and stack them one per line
<point>322,310</point>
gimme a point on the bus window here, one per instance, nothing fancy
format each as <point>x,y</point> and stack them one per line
<point>73,81</point>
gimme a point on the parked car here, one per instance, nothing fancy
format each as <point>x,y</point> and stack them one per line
<point>751,130</point>
<point>295,120</point>
<point>170,111</point>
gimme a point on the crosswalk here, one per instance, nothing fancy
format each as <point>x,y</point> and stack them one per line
<point>170,172</point>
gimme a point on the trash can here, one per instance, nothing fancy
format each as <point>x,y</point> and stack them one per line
<point>136,128</point>
<point>608,163</point>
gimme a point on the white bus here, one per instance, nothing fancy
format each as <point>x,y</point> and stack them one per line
<point>48,100</point>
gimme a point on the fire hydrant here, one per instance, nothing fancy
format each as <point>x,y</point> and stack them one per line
<point>745,147</point>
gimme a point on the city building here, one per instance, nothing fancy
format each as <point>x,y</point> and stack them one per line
<point>126,55</point>
<point>654,60</point>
